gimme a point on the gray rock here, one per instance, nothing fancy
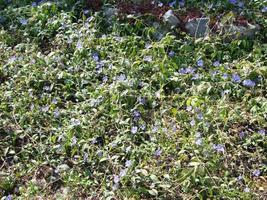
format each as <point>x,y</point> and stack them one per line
<point>110,12</point>
<point>171,19</point>
<point>197,27</point>
<point>237,32</point>
<point>62,168</point>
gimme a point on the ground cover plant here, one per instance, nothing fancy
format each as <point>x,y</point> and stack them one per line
<point>98,105</point>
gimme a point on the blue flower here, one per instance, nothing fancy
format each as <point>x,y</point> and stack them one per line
<point>233,1</point>
<point>216,64</point>
<point>240,4</point>
<point>158,152</point>
<point>264,9</point>
<point>160,4</point>
<point>249,83</point>
<point>75,122</point>
<point>95,57</point>
<point>262,132</point>
<point>56,113</point>
<point>128,163</point>
<point>200,63</point>
<point>225,76</point>
<point>9,197</point>
<point>242,134</point>
<point>143,127</point>
<point>141,100</point>
<point>136,115</point>
<point>239,178</point>
<point>121,77</point>
<point>171,53</point>
<point>23,21</point>
<point>79,45</point>
<point>246,189</point>
<point>198,141</point>
<point>34,4</point>
<point>199,116</point>
<point>182,3</point>
<point>256,173</point>
<point>123,173</point>
<point>155,129</point>
<point>134,129</point>
<point>148,58</point>
<point>236,78</point>
<point>192,123</point>
<point>218,147</point>
<point>116,179</point>
<point>105,79</point>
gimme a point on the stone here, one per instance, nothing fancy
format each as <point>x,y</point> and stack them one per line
<point>237,32</point>
<point>171,19</point>
<point>110,12</point>
<point>198,27</point>
<point>62,168</point>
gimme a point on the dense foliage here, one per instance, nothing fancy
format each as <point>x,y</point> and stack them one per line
<point>98,108</point>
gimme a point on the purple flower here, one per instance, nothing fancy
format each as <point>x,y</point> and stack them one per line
<point>195,77</point>
<point>105,79</point>
<point>73,141</point>
<point>85,12</point>
<point>256,173</point>
<point>121,77</point>
<point>95,57</point>
<point>242,134</point>
<point>158,152</point>
<point>160,4</point>
<point>134,129</point>
<point>148,58</point>
<point>189,70</point>
<point>56,113</point>
<point>116,179</point>
<point>128,163</point>
<point>236,78</point>
<point>198,141</point>
<point>200,63</point>
<point>79,45</point>
<point>198,135</point>
<point>233,1</point>
<point>192,123</point>
<point>216,64</point>
<point>264,9</point>
<point>123,172</point>
<point>189,108</point>
<point>23,21</point>
<point>155,129</point>
<point>262,132</point>
<point>141,100</point>
<point>182,3</point>
<point>34,4</point>
<point>45,108</point>
<point>9,197</point>
<point>171,53</point>
<point>225,76</point>
<point>54,101</point>
<point>249,83</point>
<point>246,189</point>
<point>136,115</point>
<point>75,122</point>
<point>239,178</point>
<point>199,116</point>
<point>240,4</point>
<point>85,157</point>
<point>218,147</point>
